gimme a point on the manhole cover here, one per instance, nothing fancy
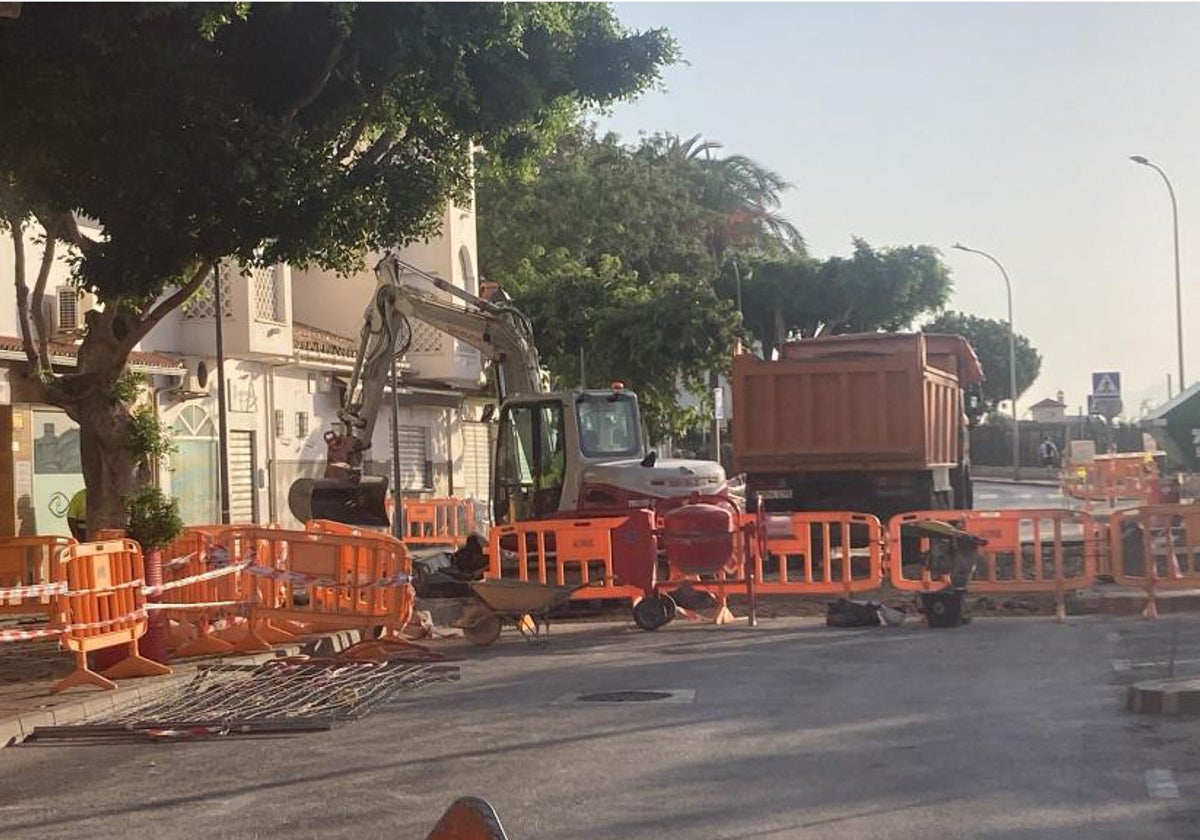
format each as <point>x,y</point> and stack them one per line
<point>625,696</point>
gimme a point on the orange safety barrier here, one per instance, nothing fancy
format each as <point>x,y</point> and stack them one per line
<point>820,553</point>
<point>1044,550</point>
<point>104,606</point>
<point>1111,478</point>
<point>317,581</point>
<point>201,588</point>
<point>567,552</point>
<point>26,568</point>
<point>438,521</point>
<point>1155,547</point>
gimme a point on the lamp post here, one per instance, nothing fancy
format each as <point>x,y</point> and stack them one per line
<point>1012,360</point>
<point>1178,292</point>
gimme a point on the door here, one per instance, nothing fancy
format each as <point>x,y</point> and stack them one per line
<point>416,470</point>
<point>243,500</point>
<point>530,462</point>
<point>194,480</point>
<point>476,473</point>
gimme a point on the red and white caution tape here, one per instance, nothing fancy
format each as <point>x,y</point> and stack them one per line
<point>15,594</point>
<point>58,630</point>
<point>105,590</point>
<point>208,605</point>
<point>200,578</point>
<point>28,635</point>
<point>400,579</point>
<point>176,562</point>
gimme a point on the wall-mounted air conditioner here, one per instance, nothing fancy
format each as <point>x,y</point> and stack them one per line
<point>70,310</point>
<point>197,380</point>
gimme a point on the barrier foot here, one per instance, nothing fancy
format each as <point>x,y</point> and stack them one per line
<point>724,616</point>
<point>248,641</point>
<point>82,675</point>
<point>1150,613</point>
<point>206,645</point>
<point>136,665</point>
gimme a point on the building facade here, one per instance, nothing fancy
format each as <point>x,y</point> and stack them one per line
<point>290,339</point>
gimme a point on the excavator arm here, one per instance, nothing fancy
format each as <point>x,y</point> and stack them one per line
<point>499,331</point>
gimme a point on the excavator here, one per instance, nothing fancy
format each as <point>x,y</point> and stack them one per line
<point>557,452</point>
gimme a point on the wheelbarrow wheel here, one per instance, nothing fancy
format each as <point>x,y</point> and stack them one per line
<point>484,630</point>
<point>654,611</point>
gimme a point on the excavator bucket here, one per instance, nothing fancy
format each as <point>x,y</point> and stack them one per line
<point>362,502</point>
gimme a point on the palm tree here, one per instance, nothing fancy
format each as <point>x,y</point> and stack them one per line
<point>741,195</point>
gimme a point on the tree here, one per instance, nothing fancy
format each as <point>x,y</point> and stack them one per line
<point>609,249</point>
<point>300,133</point>
<point>875,289</point>
<point>990,339</point>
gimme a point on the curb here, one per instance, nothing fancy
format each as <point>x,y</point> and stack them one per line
<point>1178,696</point>
<point>13,730</point>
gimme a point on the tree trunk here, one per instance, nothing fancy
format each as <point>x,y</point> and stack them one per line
<point>109,466</point>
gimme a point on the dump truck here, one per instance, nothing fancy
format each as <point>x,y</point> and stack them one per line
<point>876,423</point>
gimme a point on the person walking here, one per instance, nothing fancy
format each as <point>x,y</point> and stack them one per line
<point>1049,452</point>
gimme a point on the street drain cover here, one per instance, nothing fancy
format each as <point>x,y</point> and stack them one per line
<point>625,696</point>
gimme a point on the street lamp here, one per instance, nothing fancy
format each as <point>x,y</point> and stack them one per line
<point>1012,361</point>
<point>1178,293</point>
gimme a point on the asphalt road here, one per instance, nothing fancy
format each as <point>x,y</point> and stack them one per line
<point>1002,495</point>
<point>1003,729</point>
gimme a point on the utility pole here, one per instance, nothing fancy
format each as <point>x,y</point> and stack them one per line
<point>222,434</point>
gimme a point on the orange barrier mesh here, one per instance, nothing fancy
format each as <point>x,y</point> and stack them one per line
<point>1050,550</point>
<point>819,553</point>
<point>1155,547</point>
<point>26,574</point>
<point>104,606</point>
<point>201,586</point>
<point>564,552</point>
<point>438,521</point>
<point>318,581</point>
<point>1110,478</point>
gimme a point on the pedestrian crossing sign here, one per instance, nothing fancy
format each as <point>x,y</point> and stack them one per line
<point>1106,384</point>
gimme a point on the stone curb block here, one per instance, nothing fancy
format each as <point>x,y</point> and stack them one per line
<point>1164,697</point>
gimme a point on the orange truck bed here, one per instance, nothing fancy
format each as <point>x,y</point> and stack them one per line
<point>855,402</point>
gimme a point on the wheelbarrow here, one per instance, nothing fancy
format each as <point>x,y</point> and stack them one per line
<point>527,605</point>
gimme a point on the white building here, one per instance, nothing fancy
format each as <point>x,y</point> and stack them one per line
<point>290,339</point>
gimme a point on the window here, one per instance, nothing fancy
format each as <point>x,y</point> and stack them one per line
<point>301,424</point>
<point>278,422</point>
<point>609,425</point>
<point>468,270</point>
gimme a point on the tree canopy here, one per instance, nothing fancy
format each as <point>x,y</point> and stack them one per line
<point>614,248</point>
<point>990,339</point>
<point>874,289</point>
<point>303,133</point>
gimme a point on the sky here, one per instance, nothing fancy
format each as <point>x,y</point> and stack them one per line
<point>1004,127</point>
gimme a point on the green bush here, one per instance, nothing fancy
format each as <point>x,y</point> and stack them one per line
<point>154,519</point>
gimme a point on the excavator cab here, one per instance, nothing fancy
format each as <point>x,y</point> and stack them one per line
<point>531,460</point>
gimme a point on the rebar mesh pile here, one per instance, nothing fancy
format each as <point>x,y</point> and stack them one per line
<point>273,698</point>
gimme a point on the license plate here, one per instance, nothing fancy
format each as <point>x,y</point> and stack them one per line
<point>775,494</point>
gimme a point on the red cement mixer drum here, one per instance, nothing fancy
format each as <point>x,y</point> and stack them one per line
<point>699,538</point>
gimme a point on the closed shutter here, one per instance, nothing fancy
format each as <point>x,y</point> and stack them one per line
<point>476,461</point>
<point>416,470</point>
<point>242,507</point>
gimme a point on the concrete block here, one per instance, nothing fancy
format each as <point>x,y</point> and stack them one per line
<point>1179,696</point>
